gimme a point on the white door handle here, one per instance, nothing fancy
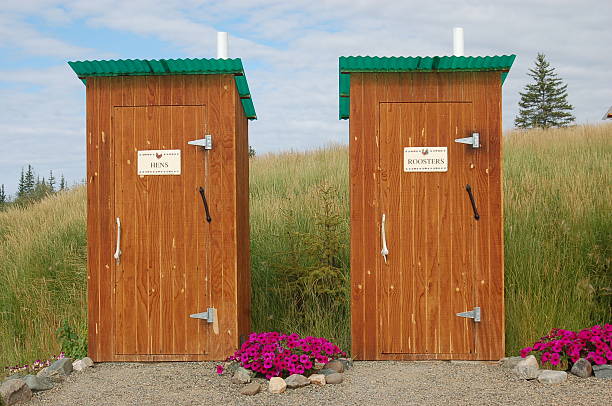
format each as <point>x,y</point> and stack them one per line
<point>384,250</point>
<point>117,255</point>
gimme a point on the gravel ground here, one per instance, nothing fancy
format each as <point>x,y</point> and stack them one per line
<point>367,383</point>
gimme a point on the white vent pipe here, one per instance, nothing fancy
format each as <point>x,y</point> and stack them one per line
<point>458,41</point>
<point>222,45</point>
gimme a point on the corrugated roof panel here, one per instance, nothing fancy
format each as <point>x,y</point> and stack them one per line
<point>242,85</point>
<point>345,107</point>
<point>195,66</point>
<point>345,85</point>
<point>427,63</point>
<point>348,64</point>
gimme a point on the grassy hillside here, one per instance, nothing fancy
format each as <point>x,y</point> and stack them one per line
<point>558,226</point>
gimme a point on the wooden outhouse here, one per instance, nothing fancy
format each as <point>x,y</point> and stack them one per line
<point>427,277</point>
<point>167,208</point>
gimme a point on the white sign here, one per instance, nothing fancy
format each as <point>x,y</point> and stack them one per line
<point>425,159</point>
<point>159,162</point>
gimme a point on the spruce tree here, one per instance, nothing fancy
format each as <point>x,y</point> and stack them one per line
<point>544,103</point>
<point>62,184</point>
<point>28,181</point>
<point>51,181</point>
<point>3,197</point>
<point>21,187</point>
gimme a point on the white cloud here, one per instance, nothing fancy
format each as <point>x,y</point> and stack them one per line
<point>290,49</point>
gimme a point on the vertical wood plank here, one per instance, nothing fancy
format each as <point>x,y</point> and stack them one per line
<point>214,174</point>
<point>194,128</point>
<point>165,215</point>
<point>153,201</point>
<point>445,238</point>
<point>228,324</point>
<point>371,212</point>
<point>93,271</point>
<point>177,212</point>
<point>493,101</point>
<point>356,175</point>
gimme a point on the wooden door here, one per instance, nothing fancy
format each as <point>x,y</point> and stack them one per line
<point>432,236</point>
<point>163,272</point>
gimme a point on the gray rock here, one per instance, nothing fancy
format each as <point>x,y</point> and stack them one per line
<point>277,385</point>
<point>582,368</point>
<point>64,365</point>
<point>15,376</point>
<point>327,371</point>
<point>527,368</point>
<point>251,389</point>
<point>241,376</point>
<point>347,362</point>
<point>55,376</point>
<point>14,391</point>
<point>297,381</point>
<point>336,365</point>
<point>334,378</point>
<point>510,362</point>
<point>547,376</point>
<point>82,364</point>
<point>58,371</point>
<point>602,371</point>
<point>37,384</point>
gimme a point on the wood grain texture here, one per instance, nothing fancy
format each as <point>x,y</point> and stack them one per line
<point>446,254</point>
<point>174,263</point>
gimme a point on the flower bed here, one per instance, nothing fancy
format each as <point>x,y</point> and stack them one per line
<point>561,347</point>
<point>274,354</point>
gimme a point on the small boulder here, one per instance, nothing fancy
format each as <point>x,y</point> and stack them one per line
<point>251,389</point>
<point>548,376</point>
<point>38,384</point>
<point>296,381</point>
<point>603,371</point>
<point>327,371</point>
<point>347,362</point>
<point>510,362</point>
<point>55,376</point>
<point>15,376</point>
<point>82,364</point>
<point>336,365</point>
<point>64,365</point>
<point>334,378</point>
<point>527,368</point>
<point>582,368</point>
<point>277,385</point>
<point>317,379</point>
<point>242,376</point>
<point>14,391</point>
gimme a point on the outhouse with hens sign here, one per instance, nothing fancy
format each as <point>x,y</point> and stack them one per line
<point>167,208</point>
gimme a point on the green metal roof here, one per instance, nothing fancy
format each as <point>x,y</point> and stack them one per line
<point>196,66</point>
<point>349,64</point>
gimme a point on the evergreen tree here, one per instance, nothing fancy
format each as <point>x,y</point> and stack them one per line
<point>3,197</point>
<point>51,181</point>
<point>544,103</point>
<point>28,181</point>
<point>21,187</point>
<point>62,185</point>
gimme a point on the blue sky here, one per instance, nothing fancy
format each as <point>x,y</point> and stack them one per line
<point>290,51</point>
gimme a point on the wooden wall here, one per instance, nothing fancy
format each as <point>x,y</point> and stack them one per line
<point>368,90</point>
<point>229,165</point>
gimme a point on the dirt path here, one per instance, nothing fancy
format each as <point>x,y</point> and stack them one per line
<point>367,383</point>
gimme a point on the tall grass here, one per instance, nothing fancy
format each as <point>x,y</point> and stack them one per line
<point>42,275</point>
<point>558,226</point>
<point>558,231</point>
